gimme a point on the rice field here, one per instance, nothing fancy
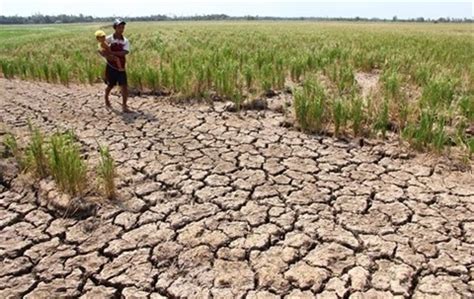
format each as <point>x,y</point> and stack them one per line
<point>423,73</point>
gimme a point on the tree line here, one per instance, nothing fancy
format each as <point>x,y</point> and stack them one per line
<point>63,18</point>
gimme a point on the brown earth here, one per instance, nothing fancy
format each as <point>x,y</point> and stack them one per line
<point>224,205</point>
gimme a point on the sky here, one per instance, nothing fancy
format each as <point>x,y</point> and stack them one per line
<point>381,9</point>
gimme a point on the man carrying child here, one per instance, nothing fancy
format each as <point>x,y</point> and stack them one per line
<point>115,72</point>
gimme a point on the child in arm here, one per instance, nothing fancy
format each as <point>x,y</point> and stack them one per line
<point>104,49</point>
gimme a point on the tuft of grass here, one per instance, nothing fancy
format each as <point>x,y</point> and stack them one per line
<point>8,69</point>
<point>36,159</point>
<point>152,79</point>
<point>391,83</point>
<point>466,106</point>
<point>12,149</point>
<point>420,135</point>
<point>340,115</point>
<point>440,137</point>
<point>382,120</point>
<point>403,109</point>
<point>470,147</point>
<point>438,93</point>
<point>463,140</point>
<point>249,76</point>
<point>422,75</point>
<point>106,172</point>
<point>310,106</point>
<point>11,145</point>
<point>67,167</point>
<point>301,108</point>
<point>316,114</point>
<point>357,115</point>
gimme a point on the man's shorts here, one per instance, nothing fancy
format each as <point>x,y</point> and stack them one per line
<point>115,77</point>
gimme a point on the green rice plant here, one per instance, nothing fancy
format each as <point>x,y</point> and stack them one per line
<point>91,72</point>
<point>403,109</point>
<point>382,120</point>
<point>106,172</point>
<point>266,78</point>
<point>45,72</point>
<point>36,159</point>
<point>199,82</point>
<point>312,61</point>
<point>165,77</point>
<point>279,74</point>
<point>363,60</point>
<point>316,112</point>
<point>309,105</point>
<point>301,104</point>
<point>391,83</point>
<point>67,167</point>
<point>298,66</point>
<point>238,98</point>
<point>209,76</point>
<point>463,140</point>
<point>279,79</point>
<point>422,74</point>
<point>421,134</point>
<point>62,72</point>
<point>177,76</point>
<point>346,80</point>
<point>12,149</point>
<point>226,80</point>
<point>11,145</point>
<point>135,78</point>
<point>249,76</point>
<point>314,95</point>
<point>339,114</point>
<point>342,75</point>
<point>357,115</point>
<point>440,137</point>
<point>438,93</point>
<point>152,79</point>
<point>466,107</point>
<point>8,69</point>
<point>23,70</point>
<point>470,146</point>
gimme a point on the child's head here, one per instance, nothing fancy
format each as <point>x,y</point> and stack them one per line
<point>100,35</point>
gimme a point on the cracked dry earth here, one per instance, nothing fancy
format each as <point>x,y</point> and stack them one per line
<point>222,205</point>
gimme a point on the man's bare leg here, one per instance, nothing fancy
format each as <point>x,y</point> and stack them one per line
<point>125,98</point>
<point>107,93</point>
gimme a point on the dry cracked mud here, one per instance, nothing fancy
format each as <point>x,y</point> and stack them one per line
<point>224,205</point>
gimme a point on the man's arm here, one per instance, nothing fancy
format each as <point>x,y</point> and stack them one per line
<point>125,51</point>
<point>119,53</point>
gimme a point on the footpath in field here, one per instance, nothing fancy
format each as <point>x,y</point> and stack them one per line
<point>222,205</point>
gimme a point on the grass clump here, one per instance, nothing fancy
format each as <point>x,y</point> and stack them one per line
<point>340,115</point>
<point>12,150</point>
<point>382,120</point>
<point>11,145</point>
<point>67,167</point>
<point>357,115</point>
<point>36,159</point>
<point>429,132</point>
<point>310,106</point>
<point>106,172</point>
<point>438,93</point>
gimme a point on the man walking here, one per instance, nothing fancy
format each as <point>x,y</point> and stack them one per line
<point>119,47</point>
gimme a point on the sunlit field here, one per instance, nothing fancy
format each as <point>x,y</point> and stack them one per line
<point>422,73</point>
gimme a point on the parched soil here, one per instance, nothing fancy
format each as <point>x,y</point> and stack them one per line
<point>225,205</point>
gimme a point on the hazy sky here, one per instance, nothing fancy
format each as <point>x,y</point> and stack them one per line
<point>347,8</point>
